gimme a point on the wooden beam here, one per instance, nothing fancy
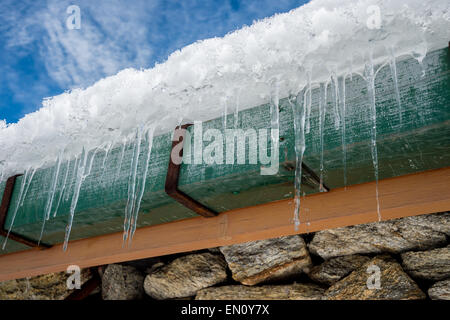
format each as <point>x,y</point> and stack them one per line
<point>414,194</point>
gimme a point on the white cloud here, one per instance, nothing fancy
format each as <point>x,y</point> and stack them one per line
<point>111,38</point>
<point>115,34</point>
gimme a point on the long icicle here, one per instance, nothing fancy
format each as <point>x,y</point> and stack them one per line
<point>63,188</point>
<point>21,193</point>
<point>131,202</point>
<point>236,110</point>
<point>309,103</point>
<point>119,167</point>
<point>149,138</point>
<point>28,186</point>
<point>275,114</point>
<point>335,86</point>
<point>370,79</point>
<point>72,179</point>
<point>393,66</point>
<point>322,112</point>
<point>81,174</point>
<point>343,118</point>
<point>299,112</point>
<point>48,207</point>
<point>223,101</point>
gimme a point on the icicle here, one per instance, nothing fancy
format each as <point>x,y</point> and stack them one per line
<point>103,168</point>
<point>73,179</point>
<point>393,67</point>
<point>236,110</point>
<point>223,102</point>
<point>63,188</point>
<point>275,114</point>
<point>335,86</point>
<point>82,171</point>
<point>370,78</point>
<point>51,196</point>
<point>91,162</point>
<point>28,186</point>
<point>25,181</point>
<point>322,112</point>
<point>108,148</point>
<point>135,214</point>
<point>132,185</point>
<point>309,90</point>
<point>299,111</point>
<point>344,143</point>
<point>122,153</point>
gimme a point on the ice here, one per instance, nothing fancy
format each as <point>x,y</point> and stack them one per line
<point>393,66</point>
<point>193,80</point>
<point>26,181</point>
<point>137,180</point>
<point>275,113</point>
<point>236,110</point>
<point>82,171</point>
<point>225,112</point>
<point>370,79</point>
<point>322,112</point>
<point>309,101</point>
<point>141,188</point>
<point>336,98</point>
<point>48,206</point>
<point>63,188</point>
<point>299,111</point>
<point>131,203</point>
<point>344,127</point>
<point>119,167</point>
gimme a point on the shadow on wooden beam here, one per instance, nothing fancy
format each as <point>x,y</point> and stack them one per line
<point>415,194</point>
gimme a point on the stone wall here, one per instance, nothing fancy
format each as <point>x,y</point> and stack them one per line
<point>408,258</point>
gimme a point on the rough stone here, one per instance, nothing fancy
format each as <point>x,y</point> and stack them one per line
<point>394,283</point>
<point>430,265</point>
<point>52,286</point>
<point>267,260</point>
<point>121,282</point>
<point>394,236</point>
<point>267,292</point>
<point>440,290</point>
<point>335,269</point>
<point>184,276</point>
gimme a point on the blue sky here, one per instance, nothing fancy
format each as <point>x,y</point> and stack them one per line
<point>41,57</point>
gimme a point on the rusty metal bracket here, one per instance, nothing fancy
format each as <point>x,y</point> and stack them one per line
<point>4,207</point>
<point>314,176</point>
<point>173,172</point>
<point>309,177</point>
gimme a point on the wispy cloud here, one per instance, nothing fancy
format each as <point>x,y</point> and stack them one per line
<point>108,40</point>
<point>114,35</point>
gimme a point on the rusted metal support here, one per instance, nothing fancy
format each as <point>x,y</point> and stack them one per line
<point>311,175</point>
<point>4,207</point>
<point>173,172</point>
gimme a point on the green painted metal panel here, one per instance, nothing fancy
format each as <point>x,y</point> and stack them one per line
<point>421,142</point>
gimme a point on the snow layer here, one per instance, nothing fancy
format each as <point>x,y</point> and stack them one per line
<point>324,37</point>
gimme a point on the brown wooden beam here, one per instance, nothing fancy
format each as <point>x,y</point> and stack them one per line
<point>415,194</point>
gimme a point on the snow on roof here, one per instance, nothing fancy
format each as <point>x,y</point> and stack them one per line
<point>195,82</point>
